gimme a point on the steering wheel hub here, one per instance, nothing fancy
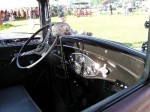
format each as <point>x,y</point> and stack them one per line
<point>40,47</point>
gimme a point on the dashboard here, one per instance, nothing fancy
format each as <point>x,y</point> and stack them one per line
<point>17,39</point>
<point>94,62</point>
<point>10,44</point>
<point>86,59</point>
<point>91,67</point>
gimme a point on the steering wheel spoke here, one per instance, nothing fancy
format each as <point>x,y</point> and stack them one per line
<point>28,53</point>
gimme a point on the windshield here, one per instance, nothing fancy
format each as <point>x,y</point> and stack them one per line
<point>22,17</point>
<point>122,22</point>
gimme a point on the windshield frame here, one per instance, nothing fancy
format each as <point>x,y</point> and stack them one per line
<point>147,63</point>
<point>44,14</point>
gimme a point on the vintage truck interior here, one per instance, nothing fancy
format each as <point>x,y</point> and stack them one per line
<point>58,72</point>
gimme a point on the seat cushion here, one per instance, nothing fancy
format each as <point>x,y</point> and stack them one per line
<point>16,99</point>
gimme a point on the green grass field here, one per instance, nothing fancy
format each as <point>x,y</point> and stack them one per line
<point>5,26</point>
<point>127,29</point>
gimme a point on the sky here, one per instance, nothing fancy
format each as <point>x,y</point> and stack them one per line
<point>66,2</point>
<point>8,4</point>
<point>62,2</point>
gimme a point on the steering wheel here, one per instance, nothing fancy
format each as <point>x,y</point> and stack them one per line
<point>43,49</point>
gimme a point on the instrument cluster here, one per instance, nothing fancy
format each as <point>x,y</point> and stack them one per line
<point>87,67</point>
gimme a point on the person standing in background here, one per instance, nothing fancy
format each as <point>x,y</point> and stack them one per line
<point>111,9</point>
<point>61,14</point>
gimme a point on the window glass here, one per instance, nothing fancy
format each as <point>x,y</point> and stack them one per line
<point>19,16</point>
<point>121,22</point>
